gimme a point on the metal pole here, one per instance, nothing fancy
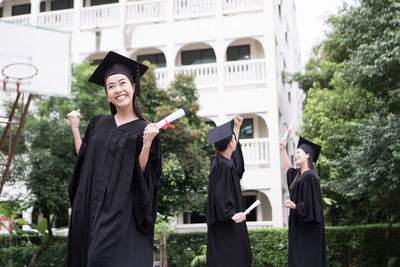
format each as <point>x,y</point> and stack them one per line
<point>14,107</point>
<point>21,125</point>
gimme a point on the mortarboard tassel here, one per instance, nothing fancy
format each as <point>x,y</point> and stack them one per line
<point>137,89</point>
<point>319,170</point>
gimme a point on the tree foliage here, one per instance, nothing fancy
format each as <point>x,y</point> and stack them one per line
<point>352,83</point>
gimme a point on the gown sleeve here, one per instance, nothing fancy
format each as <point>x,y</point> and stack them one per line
<point>290,175</point>
<point>146,186</point>
<point>309,203</point>
<point>74,180</point>
<point>238,161</point>
<point>220,200</point>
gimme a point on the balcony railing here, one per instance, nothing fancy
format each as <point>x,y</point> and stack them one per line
<point>59,20</point>
<point>236,73</point>
<point>193,8</point>
<point>149,11</point>
<point>245,72</point>
<point>161,76</point>
<point>202,227</point>
<point>100,16</point>
<point>21,19</point>
<point>146,11</point>
<point>232,6</point>
<point>255,151</point>
<point>205,74</point>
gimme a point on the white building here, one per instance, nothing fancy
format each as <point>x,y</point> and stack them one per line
<point>237,49</point>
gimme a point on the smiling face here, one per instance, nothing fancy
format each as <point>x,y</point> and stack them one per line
<point>300,157</point>
<point>119,91</point>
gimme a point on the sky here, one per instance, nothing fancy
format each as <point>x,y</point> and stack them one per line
<point>310,22</point>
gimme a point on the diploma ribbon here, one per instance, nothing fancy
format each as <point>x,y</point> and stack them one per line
<point>167,125</point>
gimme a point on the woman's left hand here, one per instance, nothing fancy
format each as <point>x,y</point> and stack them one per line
<point>151,131</point>
<point>290,204</point>
<point>238,121</point>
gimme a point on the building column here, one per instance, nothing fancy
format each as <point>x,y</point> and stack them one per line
<point>35,9</point>
<point>220,57</point>
<point>170,53</point>
<point>76,30</point>
<point>122,27</point>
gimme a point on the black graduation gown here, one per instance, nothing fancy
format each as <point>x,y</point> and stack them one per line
<point>114,204</point>
<point>306,223</point>
<point>227,242</point>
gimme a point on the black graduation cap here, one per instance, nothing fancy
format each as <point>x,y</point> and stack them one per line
<point>114,63</point>
<point>310,148</point>
<point>220,133</point>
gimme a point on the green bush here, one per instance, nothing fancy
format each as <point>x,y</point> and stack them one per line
<point>55,255</point>
<point>361,246</point>
<point>182,248</point>
<point>269,247</point>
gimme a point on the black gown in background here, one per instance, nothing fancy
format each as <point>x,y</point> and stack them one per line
<point>114,203</point>
<point>306,223</point>
<point>227,241</point>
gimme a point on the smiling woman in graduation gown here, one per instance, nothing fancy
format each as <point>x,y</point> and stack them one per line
<point>228,241</point>
<point>306,219</point>
<point>113,200</point>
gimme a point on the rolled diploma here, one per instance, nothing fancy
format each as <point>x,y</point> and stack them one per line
<point>288,131</point>
<point>255,204</point>
<point>170,118</point>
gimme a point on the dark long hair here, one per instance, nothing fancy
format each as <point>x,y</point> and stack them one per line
<point>135,107</point>
<point>310,166</point>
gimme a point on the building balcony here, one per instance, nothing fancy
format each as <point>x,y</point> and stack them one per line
<point>136,12</point>
<point>202,227</point>
<point>255,151</point>
<point>236,73</point>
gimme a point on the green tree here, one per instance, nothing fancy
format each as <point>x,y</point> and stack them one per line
<point>376,171</point>
<point>186,154</point>
<point>353,74</point>
<point>366,39</point>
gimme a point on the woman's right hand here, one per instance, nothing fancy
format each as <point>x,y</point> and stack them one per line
<point>74,118</point>
<point>239,217</point>
<point>282,143</point>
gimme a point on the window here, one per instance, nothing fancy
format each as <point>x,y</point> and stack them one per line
<point>1,12</point>
<point>21,9</point>
<point>246,131</point>
<point>241,52</point>
<point>102,2</point>
<point>193,217</point>
<point>61,4</point>
<point>42,6</point>
<point>158,59</point>
<point>203,56</point>
<point>247,201</point>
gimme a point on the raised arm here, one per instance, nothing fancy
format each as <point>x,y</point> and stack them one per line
<point>74,119</point>
<point>285,158</point>
<point>151,131</point>
<point>236,128</point>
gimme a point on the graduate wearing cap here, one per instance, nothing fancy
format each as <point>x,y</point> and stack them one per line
<point>227,237</point>
<point>306,219</point>
<point>114,186</point>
